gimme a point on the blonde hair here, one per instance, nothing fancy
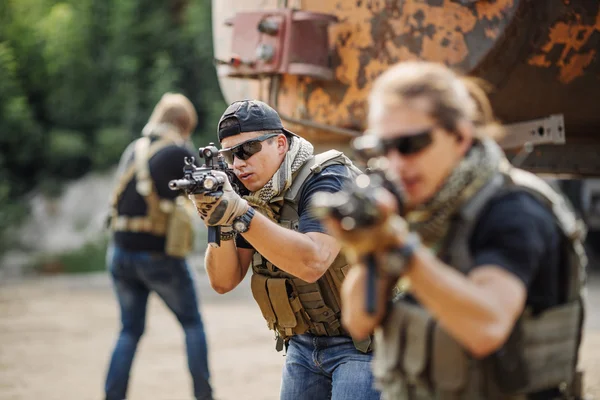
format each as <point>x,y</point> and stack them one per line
<point>448,97</point>
<point>173,109</point>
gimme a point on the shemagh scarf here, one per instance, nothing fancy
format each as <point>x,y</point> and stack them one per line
<point>431,220</point>
<point>269,199</point>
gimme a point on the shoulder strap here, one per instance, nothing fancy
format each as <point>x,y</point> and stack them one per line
<point>572,227</point>
<point>315,165</point>
<point>142,166</point>
<point>147,151</point>
<point>568,222</point>
<point>456,250</point>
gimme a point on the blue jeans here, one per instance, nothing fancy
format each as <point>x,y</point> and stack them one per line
<point>135,275</point>
<point>320,367</point>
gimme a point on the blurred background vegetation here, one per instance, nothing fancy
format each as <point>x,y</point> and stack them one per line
<point>78,80</point>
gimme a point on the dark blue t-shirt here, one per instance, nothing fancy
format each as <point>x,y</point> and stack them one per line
<point>516,232</point>
<point>330,179</point>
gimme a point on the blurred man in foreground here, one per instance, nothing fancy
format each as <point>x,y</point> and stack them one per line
<point>480,276</point>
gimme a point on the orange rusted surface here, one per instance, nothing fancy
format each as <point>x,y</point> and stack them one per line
<point>571,36</point>
<point>539,56</point>
<point>372,35</point>
<point>490,13</point>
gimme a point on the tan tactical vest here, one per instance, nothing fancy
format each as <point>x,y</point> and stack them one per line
<point>165,217</point>
<point>415,358</point>
<point>290,305</point>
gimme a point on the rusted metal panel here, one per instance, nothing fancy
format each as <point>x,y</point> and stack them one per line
<point>581,159</point>
<point>269,42</point>
<point>547,63</point>
<point>372,35</point>
<point>233,88</point>
<point>540,56</point>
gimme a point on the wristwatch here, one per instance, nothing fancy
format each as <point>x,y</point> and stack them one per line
<point>242,223</point>
<point>399,258</point>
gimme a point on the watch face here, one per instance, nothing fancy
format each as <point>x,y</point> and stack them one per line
<point>239,226</point>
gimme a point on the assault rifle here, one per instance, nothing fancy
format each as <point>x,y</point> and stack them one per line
<point>355,206</point>
<point>201,180</point>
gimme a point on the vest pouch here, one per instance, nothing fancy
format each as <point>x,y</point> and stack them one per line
<point>450,364</point>
<point>179,240</point>
<point>551,340</point>
<point>287,307</point>
<point>416,332</point>
<point>507,365</point>
<point>388,349</point>
<point>258,286</point>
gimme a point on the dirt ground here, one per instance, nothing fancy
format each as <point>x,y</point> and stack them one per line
<point>56,335</point>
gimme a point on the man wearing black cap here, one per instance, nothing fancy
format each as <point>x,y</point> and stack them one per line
<point>297,267</point>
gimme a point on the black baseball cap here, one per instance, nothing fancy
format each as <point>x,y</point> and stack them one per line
<point>251,116</point>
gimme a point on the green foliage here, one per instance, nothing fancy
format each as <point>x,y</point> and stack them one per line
<point>79,79</point>
<point>11,213</point>
<point>89,258</point>
<point>109,144</point>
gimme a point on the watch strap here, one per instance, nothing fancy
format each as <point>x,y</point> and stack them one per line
<point>246,218</point>
<point>399,258</point>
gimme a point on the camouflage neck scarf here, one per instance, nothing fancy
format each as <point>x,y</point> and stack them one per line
<point>432,219</point>
<point>269,199</point>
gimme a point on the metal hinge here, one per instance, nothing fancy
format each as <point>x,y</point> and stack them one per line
<point>549,130</point>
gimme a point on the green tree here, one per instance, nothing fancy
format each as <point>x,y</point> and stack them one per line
<point>79,79</point>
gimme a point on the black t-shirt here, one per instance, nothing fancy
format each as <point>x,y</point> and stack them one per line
<point>167,164</point>
<point>519,234</point>
<point>516,232</point>
<point>330,179</point>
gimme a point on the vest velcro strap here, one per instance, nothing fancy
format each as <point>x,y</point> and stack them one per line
<point>296,305</point>
<point>258,285</point>
<point>300,284</point>
<point>334,328</point>
<point>318,329</point>
<point>302,290</point>
<point>138,224</point>
<point>311,296</point>
<point>269,266</point>
<point>281,303</point>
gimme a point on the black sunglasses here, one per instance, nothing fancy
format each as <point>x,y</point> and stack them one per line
<point>408,144</point>
<point>245,150</point>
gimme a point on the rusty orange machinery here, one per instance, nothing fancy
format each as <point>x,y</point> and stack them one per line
<point>315,61</point>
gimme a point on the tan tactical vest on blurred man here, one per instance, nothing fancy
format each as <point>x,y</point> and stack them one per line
<point>290,305</point>
<point>164,217</point>
<point>417,359</point>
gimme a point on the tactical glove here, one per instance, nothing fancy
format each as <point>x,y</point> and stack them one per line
<point>219,208</point>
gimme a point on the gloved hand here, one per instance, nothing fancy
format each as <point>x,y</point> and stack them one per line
<point>219,209</point>
<point>390,231</point>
